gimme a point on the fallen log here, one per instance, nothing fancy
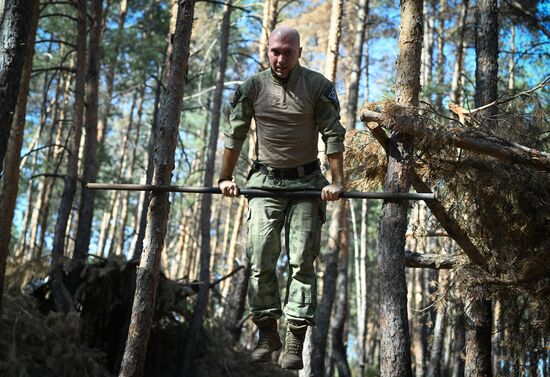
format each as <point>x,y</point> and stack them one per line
<point>435,261</point>
<point>406,122</point>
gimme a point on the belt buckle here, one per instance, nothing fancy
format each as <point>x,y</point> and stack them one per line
<point>301,171</point>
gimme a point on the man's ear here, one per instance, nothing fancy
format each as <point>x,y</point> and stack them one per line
<point>299,53</point>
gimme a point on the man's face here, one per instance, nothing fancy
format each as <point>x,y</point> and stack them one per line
<point>283,53</point>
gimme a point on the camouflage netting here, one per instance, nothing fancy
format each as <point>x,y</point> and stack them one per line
<point>503,207</point>
<point>41,343</point>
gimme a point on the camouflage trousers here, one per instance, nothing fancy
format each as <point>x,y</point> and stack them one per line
<point>302,220</point>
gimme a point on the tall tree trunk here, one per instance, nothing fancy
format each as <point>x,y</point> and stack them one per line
<point>355,75</point>
<point>206,200</point>
<point>440,70</point>
<point>512,60</point>
<point>478,335</point>
<point>61,298</point>
<point>87,197</point>
<point>456,87</point>
<point>428,44</point>
<point>110,73</point>
<point>148,272</point>
<point>338,321</point>
<point>395,358</point>
<point>8,196</point>
<point>334,35</point>
<point>14,32</point>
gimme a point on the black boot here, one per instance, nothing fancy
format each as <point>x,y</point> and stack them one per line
<point>268,341</point>
<point>294,344</point>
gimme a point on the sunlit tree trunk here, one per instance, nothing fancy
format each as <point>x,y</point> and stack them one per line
<point>512,60</point>
<point>87,197</point>
<point>395,358</point>
<point>334,35</point>
<point>148,271</point>
<point>60,295</point>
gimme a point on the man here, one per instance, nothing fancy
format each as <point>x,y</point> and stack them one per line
<point>290,105</point>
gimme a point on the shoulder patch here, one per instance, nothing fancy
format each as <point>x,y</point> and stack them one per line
<point>330,93</point>
<point>236,96</point>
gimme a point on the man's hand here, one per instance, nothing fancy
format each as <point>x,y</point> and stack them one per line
<point>229,188</point>
<point>331,192</point>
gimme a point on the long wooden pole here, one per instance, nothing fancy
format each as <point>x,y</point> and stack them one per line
<point>262,193</point>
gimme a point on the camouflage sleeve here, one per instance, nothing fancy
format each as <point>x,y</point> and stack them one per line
<point>239,118</point>
<point>327,117</point>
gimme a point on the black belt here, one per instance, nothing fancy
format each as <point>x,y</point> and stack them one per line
<point>288,173</point>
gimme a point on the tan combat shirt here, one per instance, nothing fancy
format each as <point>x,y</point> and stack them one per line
<point>289,116</point>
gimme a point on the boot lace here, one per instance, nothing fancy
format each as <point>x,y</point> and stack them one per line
<point>293,344</point>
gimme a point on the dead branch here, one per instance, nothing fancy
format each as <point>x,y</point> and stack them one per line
<point>436,261</point>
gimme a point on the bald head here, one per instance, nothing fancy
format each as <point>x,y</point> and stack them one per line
<point>285,33</point>
<point>284,50</point>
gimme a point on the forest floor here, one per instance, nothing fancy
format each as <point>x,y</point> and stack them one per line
<point>37,344</point>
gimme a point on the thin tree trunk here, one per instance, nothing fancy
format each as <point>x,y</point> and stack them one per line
<point>478,335</point>
<point>456,87</point>
<point>14,32</point>
<point>233,242</point>
<point>355,75</point>
<point>330,260</point>
<point>440,70</point>
<point>8,195</point>
<point>110,74</point>
<point>146,197</point>
<point>61,298</point>
<point>338,321</point>
<point>334,35</point>
<point>434,366</point>
<point>148,271</point>
<point>87,197</point>
<point>206,200</point>
<point>512,61</point>
<point>395,358</point>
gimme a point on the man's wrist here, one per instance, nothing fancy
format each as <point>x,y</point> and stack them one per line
<point>223,179</point>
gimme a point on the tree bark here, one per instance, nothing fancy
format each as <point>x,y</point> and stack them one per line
<point>87,197</point>
<point>61,298</point>
<point>8,196</point>
<point>206,200</point>
<point>14,31</point>
<point>395,357</point>
<point>148,271</point>
<point>334,35</point>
